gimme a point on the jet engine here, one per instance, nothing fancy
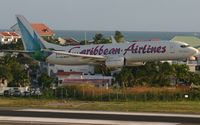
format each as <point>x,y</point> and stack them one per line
<point>135,63</point>
<point>115,62</point>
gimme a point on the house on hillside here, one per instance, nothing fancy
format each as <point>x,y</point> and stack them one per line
<point>8,37</point>
<point>68,41</point>
<point>48,34</point>
<point>41,28</point>
<point>72,41</point>
<point>73,75</point>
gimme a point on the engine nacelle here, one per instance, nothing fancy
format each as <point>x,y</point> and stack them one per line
<point>115,62</point>
<point>135,63</point>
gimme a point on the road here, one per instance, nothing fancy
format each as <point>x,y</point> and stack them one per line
<point>46,117</point>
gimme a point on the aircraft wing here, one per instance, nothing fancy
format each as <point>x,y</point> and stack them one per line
<point>15,51</point>
<point>90,58</point>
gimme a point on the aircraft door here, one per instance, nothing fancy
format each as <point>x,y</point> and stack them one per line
<point>172,48</point>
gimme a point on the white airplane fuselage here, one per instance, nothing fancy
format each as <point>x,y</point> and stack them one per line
<point>112,55</point>
<point>131,52</point>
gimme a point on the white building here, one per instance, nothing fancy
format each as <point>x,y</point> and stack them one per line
<point>75,78</point>
<point>79,74</point>
<point>52,69</point>
<point>8,37</point>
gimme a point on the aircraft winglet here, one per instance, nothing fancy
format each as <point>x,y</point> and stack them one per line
<point>113,40</point>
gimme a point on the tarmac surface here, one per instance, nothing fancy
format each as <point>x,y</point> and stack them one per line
<point>74,117</point>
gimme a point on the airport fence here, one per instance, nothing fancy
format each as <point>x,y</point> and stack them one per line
<point>91,93</point>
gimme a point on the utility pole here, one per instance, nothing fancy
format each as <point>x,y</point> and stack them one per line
<point>85,37</point>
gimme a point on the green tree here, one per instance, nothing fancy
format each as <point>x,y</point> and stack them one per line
<point>20,79</point>
<point>102,69</point>
<point>119,37</point>
<point>99,39</point>
<point>194,78</point>
<point>165,73</point>
<point>125,77</point>
<point>20,75</point>
<point>13,46</point>
<point>24,59</point>
<point>83,42</point>
<point>7,59</point>
<point>45,81</point>
<point>5,73</point>
<point>153,74</point>
<point>181,72</point>
<point>140,75</point>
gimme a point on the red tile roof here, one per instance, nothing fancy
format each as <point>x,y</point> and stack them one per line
<point>5,34</point>
<point>42,29</point>
<point>9,34</point>
<point>13,33</point>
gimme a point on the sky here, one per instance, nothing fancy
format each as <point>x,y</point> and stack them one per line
<point>106,15</point>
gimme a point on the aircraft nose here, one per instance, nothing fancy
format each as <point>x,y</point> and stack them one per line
<point>194,51</point>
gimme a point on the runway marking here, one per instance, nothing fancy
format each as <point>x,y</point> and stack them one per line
<point>75,121</point>
<point>116,113</point>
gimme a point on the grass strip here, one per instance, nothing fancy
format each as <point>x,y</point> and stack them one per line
<point>192,107</point>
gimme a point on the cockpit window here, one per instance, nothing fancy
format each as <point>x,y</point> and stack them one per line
<point>184,46</point>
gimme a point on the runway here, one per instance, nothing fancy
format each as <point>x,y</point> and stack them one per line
<point>60,117</point>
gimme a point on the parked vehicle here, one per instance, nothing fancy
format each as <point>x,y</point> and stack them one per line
<point>7,93</point>
<point>35,92</point>
<point>26,93</point>
<point>16,93</point>
<point>38,92</point>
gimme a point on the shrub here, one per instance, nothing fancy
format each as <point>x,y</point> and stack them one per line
<point>89,92</point>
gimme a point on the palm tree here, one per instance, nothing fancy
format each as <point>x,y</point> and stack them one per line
<point>119,37</point>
